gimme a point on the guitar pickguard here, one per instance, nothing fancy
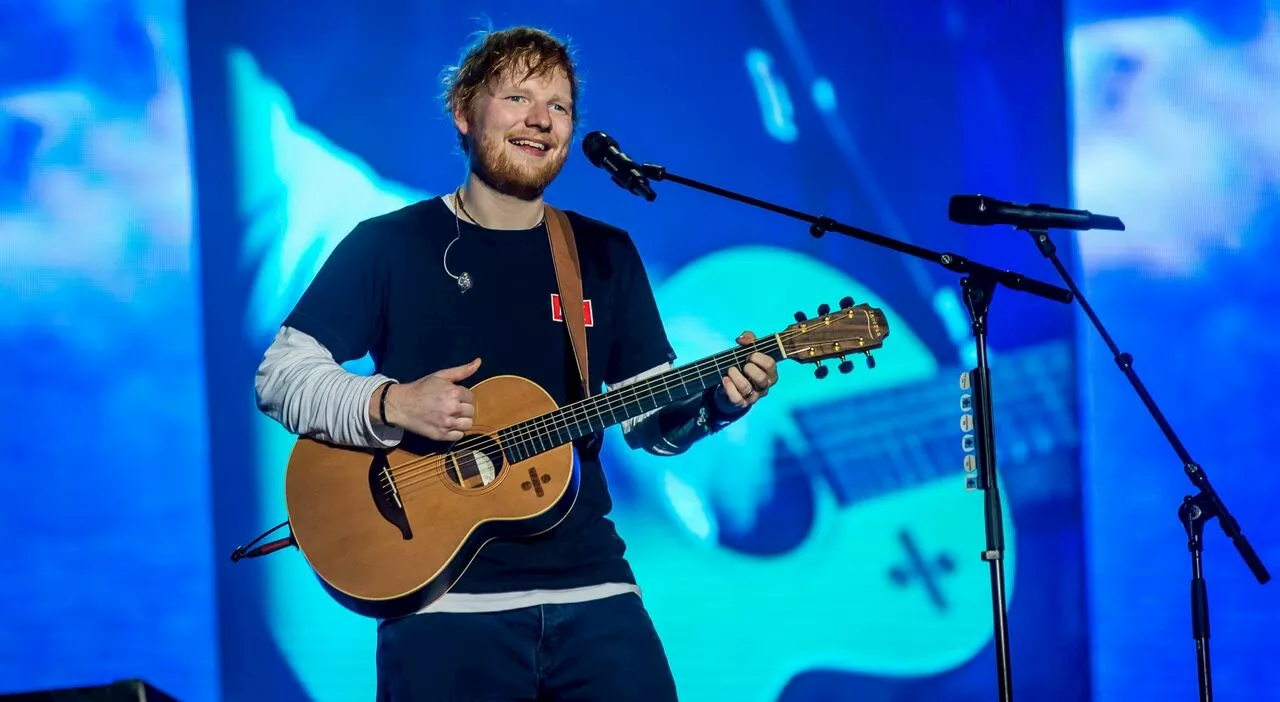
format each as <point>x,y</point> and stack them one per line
<point>386,495</point>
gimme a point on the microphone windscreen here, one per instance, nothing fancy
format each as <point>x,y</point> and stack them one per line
<point>596,146</point>
<point>969,209</point>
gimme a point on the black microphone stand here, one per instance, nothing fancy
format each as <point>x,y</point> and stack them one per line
<point>978,285</point>
<point>1194,510</point>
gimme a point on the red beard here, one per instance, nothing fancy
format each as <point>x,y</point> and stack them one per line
<point>524,178</point>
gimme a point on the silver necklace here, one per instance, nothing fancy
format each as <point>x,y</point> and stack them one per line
<point>464,280</point>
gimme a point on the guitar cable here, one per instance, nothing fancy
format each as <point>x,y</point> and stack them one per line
<point>248,551</point>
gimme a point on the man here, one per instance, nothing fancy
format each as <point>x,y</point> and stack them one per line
<point>451,290</point>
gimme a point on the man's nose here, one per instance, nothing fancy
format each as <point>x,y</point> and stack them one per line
<point>539,116</point>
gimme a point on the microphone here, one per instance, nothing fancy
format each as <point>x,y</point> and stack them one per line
<point>603,152</point>
<point>982,210</point>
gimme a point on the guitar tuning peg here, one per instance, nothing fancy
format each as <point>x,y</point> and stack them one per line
<point>800,317</point>
<point>871,360</point>
<point>846,302</point>
<point>820,372</point>
<point>845,366</point>
<point>824,308</point>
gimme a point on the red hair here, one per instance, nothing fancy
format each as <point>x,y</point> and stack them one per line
<point>500,54</point>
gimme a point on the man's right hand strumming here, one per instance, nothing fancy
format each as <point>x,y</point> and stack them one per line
<point>434,406</point>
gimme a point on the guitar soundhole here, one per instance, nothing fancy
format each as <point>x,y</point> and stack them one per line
<point>475,461</point>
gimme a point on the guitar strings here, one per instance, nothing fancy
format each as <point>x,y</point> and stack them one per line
<point>429,467</point>
<point>634,391</point>
<point>413,473</point>
<point>424,469</point>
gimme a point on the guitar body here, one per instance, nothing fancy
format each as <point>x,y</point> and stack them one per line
<point>388,532</point>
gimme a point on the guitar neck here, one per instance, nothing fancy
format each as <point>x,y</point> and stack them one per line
<point>531,437</point>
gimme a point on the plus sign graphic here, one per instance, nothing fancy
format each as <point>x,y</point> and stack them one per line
<point>926,571</point>
<point>535,482</point>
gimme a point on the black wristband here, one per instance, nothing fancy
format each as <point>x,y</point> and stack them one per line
<point>718,418</point>
<point>382,405</point>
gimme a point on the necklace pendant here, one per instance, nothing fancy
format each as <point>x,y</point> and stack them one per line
<point>464,282</point>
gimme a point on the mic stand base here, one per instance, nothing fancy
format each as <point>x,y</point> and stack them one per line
<point>977,292</point>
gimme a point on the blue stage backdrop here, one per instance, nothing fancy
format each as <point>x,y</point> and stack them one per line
<point>104,496</point>
<point>825,547</point>
<point>1175,106</point>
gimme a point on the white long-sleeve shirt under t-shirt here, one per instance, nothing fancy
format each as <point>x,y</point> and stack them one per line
<point>301,386</point>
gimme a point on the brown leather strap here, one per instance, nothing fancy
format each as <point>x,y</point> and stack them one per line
<point>564,253</point>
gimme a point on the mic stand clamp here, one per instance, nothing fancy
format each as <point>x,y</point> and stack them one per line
<point>1193,513</point>
<point>1196,509</point>
<point>978,283</point>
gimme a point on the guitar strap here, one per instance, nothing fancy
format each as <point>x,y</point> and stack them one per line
<point>564,254</point>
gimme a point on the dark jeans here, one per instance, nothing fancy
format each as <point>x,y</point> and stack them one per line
<point>599,650</point>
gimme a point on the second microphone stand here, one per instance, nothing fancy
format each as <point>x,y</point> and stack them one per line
<point>1194,510</point>
<point>978,284</point>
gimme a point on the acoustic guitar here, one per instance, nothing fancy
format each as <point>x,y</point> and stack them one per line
<point>389,531</point>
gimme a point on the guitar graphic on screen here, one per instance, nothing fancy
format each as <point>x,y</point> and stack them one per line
<point>830,528</point>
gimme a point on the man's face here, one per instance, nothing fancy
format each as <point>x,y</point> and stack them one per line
<point>519,132</point>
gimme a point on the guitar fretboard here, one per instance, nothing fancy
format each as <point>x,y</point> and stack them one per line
<point>534,436</point>
<point>900,438</point>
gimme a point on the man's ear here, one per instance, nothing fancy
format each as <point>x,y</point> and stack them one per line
<point>460,120</point>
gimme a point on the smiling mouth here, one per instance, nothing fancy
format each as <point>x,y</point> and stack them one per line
<point>529,146</point>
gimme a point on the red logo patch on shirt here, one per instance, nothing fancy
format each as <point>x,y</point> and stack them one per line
<point>557,313</point>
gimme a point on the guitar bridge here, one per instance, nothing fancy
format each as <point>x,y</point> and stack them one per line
<point>386,495</point>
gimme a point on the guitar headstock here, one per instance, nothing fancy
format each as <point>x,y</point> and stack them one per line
<point>852,329</point>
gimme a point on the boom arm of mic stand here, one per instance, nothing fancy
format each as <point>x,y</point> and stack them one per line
<point>1212,503</point>
<point>978,283</point>
<point>821,225</point>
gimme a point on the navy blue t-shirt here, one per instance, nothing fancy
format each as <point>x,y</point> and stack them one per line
<point>384,291</point>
